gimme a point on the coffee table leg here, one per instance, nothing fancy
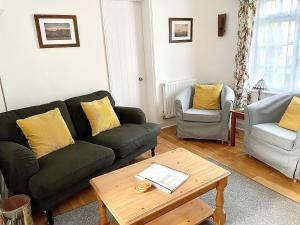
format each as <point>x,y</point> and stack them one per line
<point>219,216</point>
<point>102,213</point>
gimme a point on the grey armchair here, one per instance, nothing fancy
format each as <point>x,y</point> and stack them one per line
<point>203,124</point>
<point>269,143</point>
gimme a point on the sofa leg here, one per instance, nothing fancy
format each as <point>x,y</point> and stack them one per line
<point>295,180</point>
<point>153,152</point>
<point>50,217</point>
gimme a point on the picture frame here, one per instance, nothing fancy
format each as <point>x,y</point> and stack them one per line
<point>180,30</point>
<point>57,31</point>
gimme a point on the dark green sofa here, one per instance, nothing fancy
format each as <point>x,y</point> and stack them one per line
<point>57,176</point>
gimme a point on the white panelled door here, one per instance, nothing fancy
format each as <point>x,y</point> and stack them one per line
<point>123,30</point>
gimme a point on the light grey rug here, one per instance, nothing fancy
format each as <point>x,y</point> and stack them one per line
<point>246,203</point>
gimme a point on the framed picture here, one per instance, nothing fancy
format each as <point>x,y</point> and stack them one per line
<point>57,31</point>
<point>180,30</point>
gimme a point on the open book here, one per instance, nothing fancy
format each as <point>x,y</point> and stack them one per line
<point>163,177</point>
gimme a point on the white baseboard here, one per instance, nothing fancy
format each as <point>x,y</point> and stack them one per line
<point>168,123</point>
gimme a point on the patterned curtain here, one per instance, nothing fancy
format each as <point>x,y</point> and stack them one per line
<point>246,15</point>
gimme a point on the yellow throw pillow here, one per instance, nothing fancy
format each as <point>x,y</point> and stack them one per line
<point>46,132</point>
<point>291,118</point>
<point>207,96</point>
<point>101,115</point>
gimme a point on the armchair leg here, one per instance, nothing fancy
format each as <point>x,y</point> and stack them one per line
<point>153,152</point>
<point>50,217</point>
<point>295,180</point>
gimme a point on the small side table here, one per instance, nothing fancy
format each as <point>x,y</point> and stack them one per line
<point>235,114</point>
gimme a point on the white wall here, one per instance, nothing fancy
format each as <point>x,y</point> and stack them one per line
<point>173,61</point>
<point>208,58</point>
<point>216,57</point>
<point>32,75</point>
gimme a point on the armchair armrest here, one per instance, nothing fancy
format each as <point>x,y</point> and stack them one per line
<point>130,115</point>
<point>183,101</point>
<point>227,101</point>
<point>268,110</point>
<point>17,164</point>
<point>297,142</point>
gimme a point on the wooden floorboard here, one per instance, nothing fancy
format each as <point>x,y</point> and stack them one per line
<point>232,157</point>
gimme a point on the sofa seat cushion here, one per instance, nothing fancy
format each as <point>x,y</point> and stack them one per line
<point>125,139</point>
<point>68,166</point>
<point>201,115</point>
<point>275,135</point>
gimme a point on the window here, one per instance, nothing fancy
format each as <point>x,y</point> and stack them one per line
<point>274,54</point>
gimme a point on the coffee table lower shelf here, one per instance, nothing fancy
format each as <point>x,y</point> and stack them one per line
<point>191,213</point>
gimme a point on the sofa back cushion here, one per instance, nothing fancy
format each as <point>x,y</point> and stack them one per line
<point>10,131</point>
<point>78,116</point>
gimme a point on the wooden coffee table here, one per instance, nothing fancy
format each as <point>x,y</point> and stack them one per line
<point>115,191</point>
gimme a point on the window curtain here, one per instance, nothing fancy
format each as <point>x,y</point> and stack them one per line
<point>246,16</point>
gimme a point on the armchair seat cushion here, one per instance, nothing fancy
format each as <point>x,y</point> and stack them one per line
<point>201,115</point>
<point>68,166</point>
<point>127,138</point>
<point>275,135</point>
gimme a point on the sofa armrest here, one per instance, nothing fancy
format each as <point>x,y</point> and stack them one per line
<point>17,164</point>
<point>268,110</point>
<point>183,102</point>
<point>227,101</point>
<point>130,115</point>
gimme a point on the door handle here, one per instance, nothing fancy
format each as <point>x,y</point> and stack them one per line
<point>141,79</point>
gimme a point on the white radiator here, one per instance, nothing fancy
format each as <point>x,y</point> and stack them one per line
<point>170,91</point>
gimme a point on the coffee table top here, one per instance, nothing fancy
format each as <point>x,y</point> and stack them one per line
<point>116,189</point>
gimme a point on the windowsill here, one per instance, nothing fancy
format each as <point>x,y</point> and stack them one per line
<point>267,92</point>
